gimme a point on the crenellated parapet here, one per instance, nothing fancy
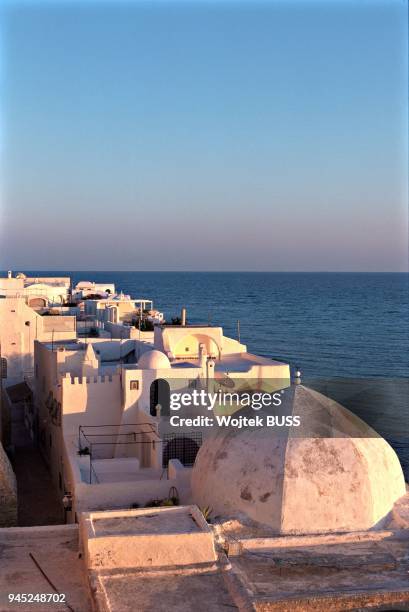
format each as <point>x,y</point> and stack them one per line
<point>90,380</point>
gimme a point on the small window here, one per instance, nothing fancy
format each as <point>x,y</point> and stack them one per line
<point>3,368</point>
<point>186,349</point>
<point>134,385</point>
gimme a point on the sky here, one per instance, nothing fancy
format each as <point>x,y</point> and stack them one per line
<point>204,135</point>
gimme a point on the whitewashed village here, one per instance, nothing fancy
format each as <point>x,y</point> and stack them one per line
<point>151,516</point>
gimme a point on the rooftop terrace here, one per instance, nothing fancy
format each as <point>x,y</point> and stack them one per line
<point>55,548</point>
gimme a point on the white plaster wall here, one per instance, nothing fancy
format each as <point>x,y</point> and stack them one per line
<point>168,339</point>
<point>92,401</point>
<point>121,494</point>
<point>20,327</point>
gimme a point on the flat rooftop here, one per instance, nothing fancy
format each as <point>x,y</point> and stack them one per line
<point>166,591</point>
<point>153,559</point>
<point>326,572</point>
<point>55,548</point>
<point>237,362</point>
<point>320,573</point>
<point>68,345</point>
<point>243,362</point>
<point>146,521</point>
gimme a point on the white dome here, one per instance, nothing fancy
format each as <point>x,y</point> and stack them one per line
<point>153,360</point>
<point>334,473</point>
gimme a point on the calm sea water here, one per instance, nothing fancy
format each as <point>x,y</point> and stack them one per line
<point>334,327</point>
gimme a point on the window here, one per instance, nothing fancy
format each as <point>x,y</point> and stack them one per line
<point>3,368</point>
<point>134,385</point>
<point>186,349</point>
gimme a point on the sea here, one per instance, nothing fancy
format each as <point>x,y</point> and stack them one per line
<point>348,333</point>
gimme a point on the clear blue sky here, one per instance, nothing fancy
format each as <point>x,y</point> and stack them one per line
<point>204,136</point>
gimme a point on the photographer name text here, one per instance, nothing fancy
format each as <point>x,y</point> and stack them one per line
<point>237,422</point>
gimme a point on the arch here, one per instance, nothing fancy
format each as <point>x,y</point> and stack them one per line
<point>160,394</point>
<point>181,447</point>
<point>188,346</point>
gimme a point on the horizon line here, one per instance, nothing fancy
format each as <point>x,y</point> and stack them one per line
<point>215,271</point>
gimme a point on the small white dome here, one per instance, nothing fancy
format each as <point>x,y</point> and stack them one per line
<point>153,360</point>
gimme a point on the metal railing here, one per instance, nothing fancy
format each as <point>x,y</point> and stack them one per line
<point>90,441</point>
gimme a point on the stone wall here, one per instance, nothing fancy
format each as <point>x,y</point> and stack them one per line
<point>8,492</point>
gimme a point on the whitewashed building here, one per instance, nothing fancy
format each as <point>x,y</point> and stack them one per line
<point>100,429</point>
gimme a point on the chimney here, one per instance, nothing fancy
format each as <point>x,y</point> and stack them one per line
<point>202,356</point>
<point>9,274</point>
<point>183,317</point>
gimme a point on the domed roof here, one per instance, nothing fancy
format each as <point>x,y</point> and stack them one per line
<point>333,473</point>
<point>153,360</point>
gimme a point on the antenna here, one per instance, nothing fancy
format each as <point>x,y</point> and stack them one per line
<point>238,330</point>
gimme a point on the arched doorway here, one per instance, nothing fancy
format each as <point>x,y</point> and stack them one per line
<point>188,346</point>
<point>184,448</point>
<point>160,394</point>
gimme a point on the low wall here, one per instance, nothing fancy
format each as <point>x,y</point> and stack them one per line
<point>153,484</point>
<point>183,476</point>
<point>58,324</point>
<point>119,331</point>
<point>136,539</point>
<point>113,495</point>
